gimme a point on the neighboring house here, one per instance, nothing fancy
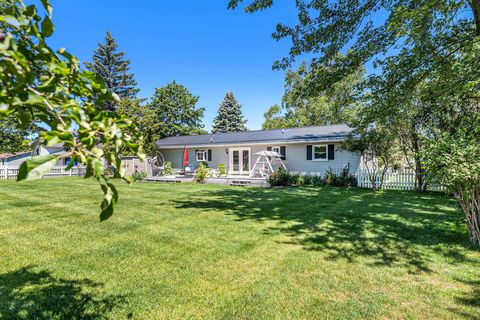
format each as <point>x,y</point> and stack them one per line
<point>15,160</point>
<point>55,150</point>
<point>305,150</point>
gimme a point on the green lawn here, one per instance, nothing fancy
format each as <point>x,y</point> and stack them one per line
<point>205,251</point>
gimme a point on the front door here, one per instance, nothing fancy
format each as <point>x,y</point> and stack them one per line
<point>239,160</point>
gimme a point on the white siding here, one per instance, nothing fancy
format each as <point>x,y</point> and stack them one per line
<point>296,158</point>
<point>17,160</point>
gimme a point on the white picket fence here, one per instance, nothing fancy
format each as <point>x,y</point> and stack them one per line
<point>10,172</point>
<point>395,180</point>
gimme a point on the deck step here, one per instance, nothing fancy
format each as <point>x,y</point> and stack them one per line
<point>240,183</point>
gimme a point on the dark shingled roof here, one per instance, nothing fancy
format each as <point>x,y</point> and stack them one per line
<point>305,134</point>
<point>12,155</point>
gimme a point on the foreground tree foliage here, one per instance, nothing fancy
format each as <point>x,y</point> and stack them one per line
<point>70,101</point>
<point>455,161</point>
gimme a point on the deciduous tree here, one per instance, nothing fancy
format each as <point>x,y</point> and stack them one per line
<point>175,112</point>
<point>378,153</point>
<point>275,118</point>
<point>307,105</point>
<point>143,118</point>
<point>426,54</point>
<point>14,138</point>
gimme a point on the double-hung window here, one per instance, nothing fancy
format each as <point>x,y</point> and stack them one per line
<point>201,155</point>
<point>320,153</point>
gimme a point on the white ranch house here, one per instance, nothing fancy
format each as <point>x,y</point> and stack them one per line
<point>306,150</point>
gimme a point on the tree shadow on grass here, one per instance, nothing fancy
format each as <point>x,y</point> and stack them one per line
<point>29,294</point>
<point>470,300</point>
<point>386,228</point>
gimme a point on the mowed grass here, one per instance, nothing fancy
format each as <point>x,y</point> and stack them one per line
<point>203,251</point>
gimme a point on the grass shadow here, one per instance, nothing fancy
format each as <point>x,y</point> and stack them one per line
<point>470,299</point>
<point>29,294</point>
<point>387,228</point>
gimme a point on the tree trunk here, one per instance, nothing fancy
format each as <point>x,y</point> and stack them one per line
<point>420,185</point>
<point>475,4</point>
<point>470,205</point>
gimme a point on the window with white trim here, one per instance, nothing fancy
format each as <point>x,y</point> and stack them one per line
<point>276,149</point>
<point>320,153</point>
<point>201,155</point>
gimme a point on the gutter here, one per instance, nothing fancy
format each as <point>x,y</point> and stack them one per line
<point>270,142</point>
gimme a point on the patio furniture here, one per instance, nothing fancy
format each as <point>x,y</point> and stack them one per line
<point>221,170</point>
<point>157,164</point>
<point>263,165</point>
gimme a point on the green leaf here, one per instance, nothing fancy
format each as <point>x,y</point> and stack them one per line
<point>47,6</point>
<point>109,200</point>
<point>36,167</point>
<point>47,27</point>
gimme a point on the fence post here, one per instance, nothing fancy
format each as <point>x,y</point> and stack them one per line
<point>5,173</point>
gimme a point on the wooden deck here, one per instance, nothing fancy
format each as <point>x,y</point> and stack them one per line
<point>229,180</point>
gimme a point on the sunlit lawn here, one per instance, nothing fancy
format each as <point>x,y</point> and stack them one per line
<point>205,251</point>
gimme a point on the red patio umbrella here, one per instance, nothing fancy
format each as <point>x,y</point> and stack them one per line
<point>185,157</point>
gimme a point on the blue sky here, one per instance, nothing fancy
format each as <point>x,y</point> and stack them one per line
<point>200,44</point>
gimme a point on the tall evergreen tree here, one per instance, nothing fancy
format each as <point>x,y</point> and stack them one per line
<point>111,65</point>
<point>229,117</point>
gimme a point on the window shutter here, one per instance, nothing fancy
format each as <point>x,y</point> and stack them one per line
<point>309,152</point>
<point>283,152</point>
<point>331,152</point>
<point>209,156</point>
<point>269,148</point>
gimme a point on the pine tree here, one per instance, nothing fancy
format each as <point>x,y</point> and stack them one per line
<point>229,117</point>
<point>111,65</point>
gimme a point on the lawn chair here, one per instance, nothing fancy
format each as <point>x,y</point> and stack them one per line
<point>221,170</point>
